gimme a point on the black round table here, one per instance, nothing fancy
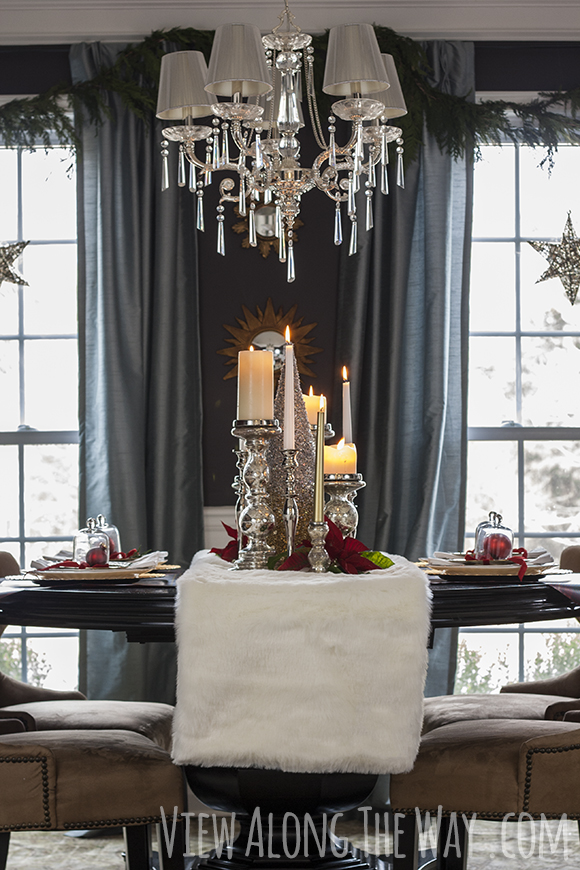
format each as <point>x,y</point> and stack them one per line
<point>146,613</point>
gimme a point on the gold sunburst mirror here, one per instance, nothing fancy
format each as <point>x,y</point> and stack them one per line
<point>265,331</point>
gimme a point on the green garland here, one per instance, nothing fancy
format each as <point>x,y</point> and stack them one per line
<point>458,124</point>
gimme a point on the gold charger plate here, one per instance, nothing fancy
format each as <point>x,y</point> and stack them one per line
<point>476,570</point>
<point>94,575</point>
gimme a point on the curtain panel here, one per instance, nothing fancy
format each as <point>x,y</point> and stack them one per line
<point>140,371</point>
<point>403,333</point>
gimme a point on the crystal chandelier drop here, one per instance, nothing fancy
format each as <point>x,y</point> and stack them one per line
<point>256,124</point>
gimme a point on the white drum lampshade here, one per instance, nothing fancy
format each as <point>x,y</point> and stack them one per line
<point>238,62</point>
<point>182,91</point>
<point>395,106</point>
<point>353,62</point>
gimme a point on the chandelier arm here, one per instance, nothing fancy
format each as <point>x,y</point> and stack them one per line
<point>189,151</point>
<point>240,141</point>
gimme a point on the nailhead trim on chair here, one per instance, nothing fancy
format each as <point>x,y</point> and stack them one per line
<point>42,759</point>
<point>529,764</point>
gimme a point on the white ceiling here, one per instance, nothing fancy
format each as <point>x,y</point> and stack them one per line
<point>53,21</point>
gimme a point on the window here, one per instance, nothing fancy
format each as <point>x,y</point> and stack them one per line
<point>524,384</point>
<point>39,383</point>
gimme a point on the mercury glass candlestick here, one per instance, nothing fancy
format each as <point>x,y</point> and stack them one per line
<point>238,484</point>
<point>328,431</point>
<point>290,509</point>
<point>256,519</point>
<point>341,490</point>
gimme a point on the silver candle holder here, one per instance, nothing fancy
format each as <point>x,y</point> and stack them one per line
<point>256,519</point>
<point>328,431</point>
<point>341,490</point>
<point>238,486</point>
<point>290,508</point>
<point>317,555</point>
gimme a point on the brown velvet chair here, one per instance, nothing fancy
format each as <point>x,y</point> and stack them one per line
<point>69,780</point>
<point>51,710</point>
<point>541,699</point>
<point>492,768</point>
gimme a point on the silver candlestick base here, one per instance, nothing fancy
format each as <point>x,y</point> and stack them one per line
<point>239,488</point>
<point>256,520</point>
<point>328,431</point>
<point>290,508</point>
<point>317,555</point>
<point>340,508</point>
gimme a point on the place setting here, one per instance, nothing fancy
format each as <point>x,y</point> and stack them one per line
<point>493,559</point>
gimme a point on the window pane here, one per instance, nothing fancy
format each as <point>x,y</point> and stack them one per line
<point>552,486</point>
<point>485,662</point>
<point>50,491</point>
<point>55,661</point>
<point>50,302</point>
<point>550,381</point>
<point>546,196</point>
<point>549,655</point>
<point>8,195</point>
<point>48,195</point>
<point>9,390</point>
<point>492,482</point>
<point>544,305</point>
<point>491,381</point>
<point>492,301</point>
<point>494,186</point>
<point>9,492</point>
<point>8,308</point>
<point>51,384</point>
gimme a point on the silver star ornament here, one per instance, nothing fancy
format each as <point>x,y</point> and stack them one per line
<point>8,256</point>
<point>564,260</point>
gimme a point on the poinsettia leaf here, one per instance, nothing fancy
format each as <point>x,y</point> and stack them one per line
<point>379,559</point>
<point>298,560</point>
<point>334,541</point>
<point>353,545</point>
<point>233,533</point>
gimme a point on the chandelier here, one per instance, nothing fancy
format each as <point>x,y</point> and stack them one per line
<point>255,126</point>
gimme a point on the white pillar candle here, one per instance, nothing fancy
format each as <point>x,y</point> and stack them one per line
<point>312,403</point>
<point>255,385</point>
<point>346,409</point>
<point>340,458</point>
<point>288,393</point>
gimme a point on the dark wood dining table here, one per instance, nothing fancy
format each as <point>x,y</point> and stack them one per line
<point>146,613</point>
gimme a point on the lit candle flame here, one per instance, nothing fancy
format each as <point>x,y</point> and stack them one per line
<point>344,374</point>
<point>251,347</point>
<point>287,335</point>
<point>311,392</point>
<point>340,444</point>
<point>322,402</point>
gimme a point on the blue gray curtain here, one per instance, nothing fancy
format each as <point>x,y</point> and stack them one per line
<point>403,333</point>
<point>140,371</point>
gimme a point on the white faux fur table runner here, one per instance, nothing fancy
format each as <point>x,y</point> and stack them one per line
<point>301,672</point>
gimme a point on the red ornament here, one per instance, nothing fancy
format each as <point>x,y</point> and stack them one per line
<point>496,546</point>
<point>96,557</point>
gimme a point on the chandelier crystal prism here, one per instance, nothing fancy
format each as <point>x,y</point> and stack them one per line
<point>254,132</point>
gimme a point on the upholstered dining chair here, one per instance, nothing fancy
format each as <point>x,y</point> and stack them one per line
<point>496,768</point>
<point>55,710</point>
<point>540,699</point>
<point>69,780</point>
